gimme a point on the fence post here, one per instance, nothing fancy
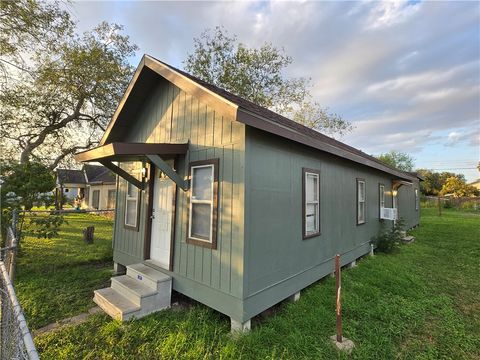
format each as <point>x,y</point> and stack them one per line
<point>14,221</point>
<point>439,207</point>
<point>338,283</point>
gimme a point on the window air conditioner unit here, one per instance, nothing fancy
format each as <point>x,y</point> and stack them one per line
<point>388,213</point>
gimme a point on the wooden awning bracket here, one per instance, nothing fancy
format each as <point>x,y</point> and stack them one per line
<point>397,183</point>
<point>123,174</point>
<point>167,170</point>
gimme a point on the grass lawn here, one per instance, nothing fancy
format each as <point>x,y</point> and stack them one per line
<point>56,277</point>
<point>423,302</point>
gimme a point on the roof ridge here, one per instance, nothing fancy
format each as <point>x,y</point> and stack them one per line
<point>288,122</point>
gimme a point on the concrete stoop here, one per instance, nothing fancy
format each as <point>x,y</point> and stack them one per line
<point>408,239</point>
<point>142,291</point>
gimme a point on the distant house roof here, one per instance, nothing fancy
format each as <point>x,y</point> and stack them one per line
<point>98,174</point>
<point>475,184</point>
<point>243,111</point>
<point>69,176</point>
<point>89,174</point>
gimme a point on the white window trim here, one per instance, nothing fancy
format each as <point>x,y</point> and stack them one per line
<point>314,202</point>
<point>361,181</point>
<point>195,201</point>
<point>130,198</point>
<point>93,197</point>
<point>416,199</point>
<point>381,194</point>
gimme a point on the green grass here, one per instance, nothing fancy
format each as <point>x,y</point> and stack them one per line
<point>56,277</point>
<point>422,302</point>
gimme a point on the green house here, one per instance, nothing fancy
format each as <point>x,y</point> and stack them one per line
<point>231,204</point>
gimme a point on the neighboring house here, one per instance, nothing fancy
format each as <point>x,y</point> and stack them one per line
<point>475,184</point>
<point>93,187</point>
<point>232,204</point>
<point>70,183</point>
<point>101,188</point>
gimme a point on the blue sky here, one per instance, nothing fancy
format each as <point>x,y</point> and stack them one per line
<point>406,74</point>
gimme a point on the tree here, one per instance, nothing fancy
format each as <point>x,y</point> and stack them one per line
<point>434,181</point>
<point>27,24</point>
<point>257,74</point>
<point>312,115</point>
<point>64,101</point>
<point>23,186</point>
<point>399,160</point>
<point>457,187</point>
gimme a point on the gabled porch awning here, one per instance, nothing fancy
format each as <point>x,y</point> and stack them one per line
<point>397,183</point>
<point>123,152</point>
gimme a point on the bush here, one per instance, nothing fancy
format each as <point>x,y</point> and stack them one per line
<point>387,241</point>
<point>470,205</point>
<point>447,204</point>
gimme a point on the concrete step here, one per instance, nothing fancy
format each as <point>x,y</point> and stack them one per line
<point>147,275</point>
<point>132,289</point>
<point>408,239</point>
<point>115,304</point>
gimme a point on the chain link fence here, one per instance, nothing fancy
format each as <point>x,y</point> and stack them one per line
<point>450,202</point>
<point>15,338</point>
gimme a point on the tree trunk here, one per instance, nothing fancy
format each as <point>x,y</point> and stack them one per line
<point>88,234</point>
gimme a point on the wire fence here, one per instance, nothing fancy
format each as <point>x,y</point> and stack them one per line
<point>15,338</point>
<point>447,202</point>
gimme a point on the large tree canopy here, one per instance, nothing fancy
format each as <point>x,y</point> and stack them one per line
<point>64,101</point>
<point>258,75</point>
<point>433,182</point>
<point>399,160</point>
<point>27,25</point>
<point>458,188</point>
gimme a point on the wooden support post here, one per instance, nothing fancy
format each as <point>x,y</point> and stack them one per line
<point>338,283</point>
<point>88,234</point>
<point>61,198</point>
<point>164,167</point>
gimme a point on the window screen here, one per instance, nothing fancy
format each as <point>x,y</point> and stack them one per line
<point>311,203</point>
<point>361,200</point>
<point>203,202</point>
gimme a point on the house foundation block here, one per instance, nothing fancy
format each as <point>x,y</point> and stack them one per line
<point>346,345</point>
<point>352,264</point>
<point>371,250</point>
<point>240,327</point>
<point>119,269</point>
<point>295,297</point>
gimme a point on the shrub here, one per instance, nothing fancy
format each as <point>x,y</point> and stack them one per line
<point>388,240</point>
<point>447,204</point>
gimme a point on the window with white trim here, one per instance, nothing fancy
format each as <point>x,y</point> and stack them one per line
<point>96,199</point>
<point>311,203</point>
<point>416,199</point>
<point>361,201</point>
<point>203,203</point>
<point>131,206</point>
<point>381,198</point>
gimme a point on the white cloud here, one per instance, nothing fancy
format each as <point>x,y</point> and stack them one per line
<point>390,13</point>
<point>405,73</point>
<point>453,138</point>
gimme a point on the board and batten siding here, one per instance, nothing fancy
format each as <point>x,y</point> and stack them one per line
<point>128,244</point>
<point>278,261</point>
<point>406,204</point>
<point>169,115</point>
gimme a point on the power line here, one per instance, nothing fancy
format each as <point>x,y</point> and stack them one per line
<point>455,168</point>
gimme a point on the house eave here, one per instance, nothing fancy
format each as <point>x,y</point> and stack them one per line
<point>265,124</point>
<point>226,107</point>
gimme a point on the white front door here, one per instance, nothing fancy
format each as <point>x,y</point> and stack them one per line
<point>162,215</point>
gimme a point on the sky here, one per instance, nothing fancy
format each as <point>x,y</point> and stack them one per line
<point>406,74</point>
